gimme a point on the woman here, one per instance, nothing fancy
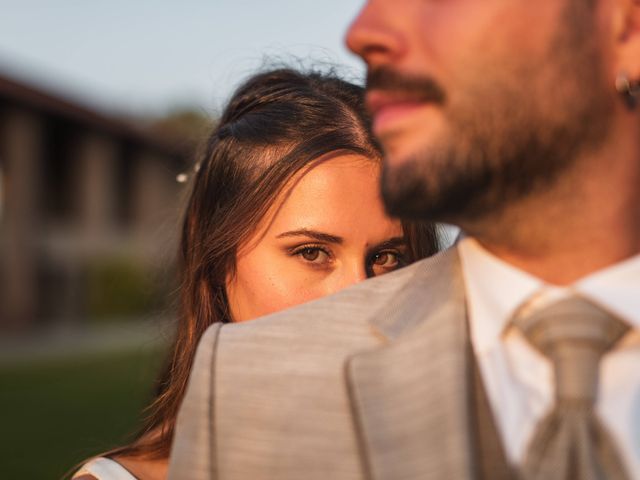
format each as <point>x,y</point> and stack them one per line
<point>284,209</point>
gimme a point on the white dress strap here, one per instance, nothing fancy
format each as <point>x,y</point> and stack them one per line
<point>104,469</point>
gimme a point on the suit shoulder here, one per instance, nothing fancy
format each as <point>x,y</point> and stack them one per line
<point>346,313</point>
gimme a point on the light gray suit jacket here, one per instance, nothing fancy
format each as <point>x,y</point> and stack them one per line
<point>370,383</point>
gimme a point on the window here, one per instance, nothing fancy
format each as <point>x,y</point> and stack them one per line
<point>59,162</point>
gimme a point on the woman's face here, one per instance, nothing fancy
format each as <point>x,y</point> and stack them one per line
<point>328,230</point>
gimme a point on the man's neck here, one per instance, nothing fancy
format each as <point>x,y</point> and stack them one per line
<point>588,220</point>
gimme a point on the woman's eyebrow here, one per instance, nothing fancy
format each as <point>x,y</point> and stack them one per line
<point>393,242</point>
<point>320,236</point>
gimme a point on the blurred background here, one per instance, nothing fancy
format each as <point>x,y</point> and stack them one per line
<point>102,108</point>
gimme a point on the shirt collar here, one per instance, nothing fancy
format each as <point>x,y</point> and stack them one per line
<point>616,288</point>
<point>495,289</point>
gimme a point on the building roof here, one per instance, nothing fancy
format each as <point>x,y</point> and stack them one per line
<point>20,93</point>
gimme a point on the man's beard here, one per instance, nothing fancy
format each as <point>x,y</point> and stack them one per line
<point>511,134</point>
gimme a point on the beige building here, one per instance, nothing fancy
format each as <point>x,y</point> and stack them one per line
<point>89,212</point>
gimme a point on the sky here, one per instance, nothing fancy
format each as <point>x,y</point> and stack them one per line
<point>152,56</point>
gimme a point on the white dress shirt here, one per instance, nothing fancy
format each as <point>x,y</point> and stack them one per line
<point>104,469</point>
<point>518,379</point>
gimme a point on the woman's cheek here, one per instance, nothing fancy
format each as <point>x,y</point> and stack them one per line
<point>268,282</point>
<point>291,288</point>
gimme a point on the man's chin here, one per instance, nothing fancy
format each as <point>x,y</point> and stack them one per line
<point>404,192</point>
<point>400,153</point>
<point>418,203</point>
<point>412,192</point>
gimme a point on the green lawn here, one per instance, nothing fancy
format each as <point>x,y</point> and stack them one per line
<point>54,414</point>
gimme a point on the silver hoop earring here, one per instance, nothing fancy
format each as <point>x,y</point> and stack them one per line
<point>629,90</point>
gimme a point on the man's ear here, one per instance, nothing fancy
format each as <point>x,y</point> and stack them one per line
<point>626,31</point>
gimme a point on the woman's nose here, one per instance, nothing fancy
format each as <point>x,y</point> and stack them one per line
<point>352,273</point>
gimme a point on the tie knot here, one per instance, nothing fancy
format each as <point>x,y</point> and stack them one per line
<point>574,334</point>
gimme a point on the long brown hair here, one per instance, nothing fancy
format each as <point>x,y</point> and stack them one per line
<point>275,124</point>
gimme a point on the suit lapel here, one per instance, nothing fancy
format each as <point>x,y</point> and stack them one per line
<point>411,396</point>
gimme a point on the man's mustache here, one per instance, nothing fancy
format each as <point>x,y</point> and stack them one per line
<point>410,87</point>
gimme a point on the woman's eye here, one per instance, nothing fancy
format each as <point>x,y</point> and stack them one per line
<point>313,254</point>
<point>386,259</point>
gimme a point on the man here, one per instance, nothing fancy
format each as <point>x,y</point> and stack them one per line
<point>516,121</point>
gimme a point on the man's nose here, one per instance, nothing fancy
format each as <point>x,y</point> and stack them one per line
<point>372,37</point>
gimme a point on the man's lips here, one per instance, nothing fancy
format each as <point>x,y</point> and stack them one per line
<point>387,109</point>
